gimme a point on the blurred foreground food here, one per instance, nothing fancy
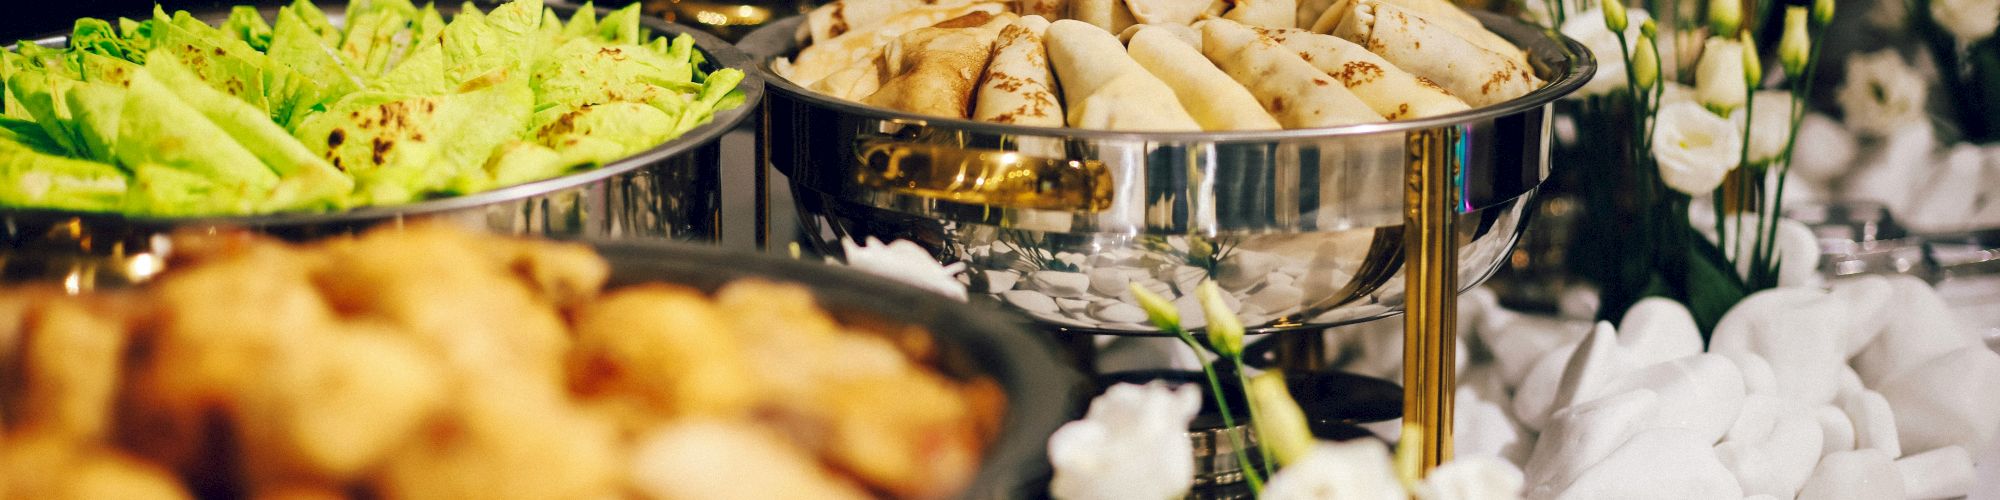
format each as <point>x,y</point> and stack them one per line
<point>430,363</point>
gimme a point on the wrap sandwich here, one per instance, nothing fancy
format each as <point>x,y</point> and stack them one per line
<point>933,70</point>
<point>1276,13</point>
<point>1291,89</point>
<point>1391,92</point>
<point>837,18</point>
<point>1439,12</point>
<point>1180,12</point>
<point>822,59</point>
<point>1183,32</point>
<point>1216,101</point>
<point>1479,76</point>
<point>1104,88</point>
<point>1018,86</point>
<point>1109,15</point>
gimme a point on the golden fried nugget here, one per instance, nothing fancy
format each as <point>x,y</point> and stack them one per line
<point>726,460</point>
<point>506,438</point>
<point>48,466</point>
<point>559,273</point>
<point>427,280</point>
<point>329,415</point>
<point>910,436</point>
<point>663,344</point>
<point>762,309</point>
<point>70,361</point>
<point>295,491</point>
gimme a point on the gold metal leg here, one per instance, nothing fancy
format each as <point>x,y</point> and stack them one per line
<point>1430,300</point>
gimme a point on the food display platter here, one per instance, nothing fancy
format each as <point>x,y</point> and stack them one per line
<point>1303,228</point>
<point>669,191</point>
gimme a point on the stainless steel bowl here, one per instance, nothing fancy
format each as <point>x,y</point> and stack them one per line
<point>1303,228</point>
<point>667,192</point>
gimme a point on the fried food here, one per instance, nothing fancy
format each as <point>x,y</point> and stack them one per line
<point>428,363</point>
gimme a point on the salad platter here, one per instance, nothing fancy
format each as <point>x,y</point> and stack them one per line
<point>435,119</point>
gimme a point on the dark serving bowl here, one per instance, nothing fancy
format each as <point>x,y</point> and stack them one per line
<point>667,192</point>
<point>1042,393</point>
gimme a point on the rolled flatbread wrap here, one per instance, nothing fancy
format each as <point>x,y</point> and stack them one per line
<point>1297,94</point>
<point>1310,10</point>
<point>1442,13</point>
<point>1183,32</point>
<point>1270,13</point>
<point>1391,92</point>
<point>933,70</point>
<point>1018,86</point>
<point>1104,88</point>
<point>837,18</point>
<point>1180,12</point>
<point>1111,16</point>
<point>856,82</point>
<point>1209,95</point>
<point>1479,76</point>
<point>821,59</point>
<point>1048,9</point>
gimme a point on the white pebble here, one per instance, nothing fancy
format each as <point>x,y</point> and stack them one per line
<point>1854,475</point>
<point>1119,312</point>
<point>1657,330</point>
<point>1060,283</point>
<point>1109,281</point>
<point>1030,301</point>
<point>1660,463</point>
<point>1244,269</point>
<point>1874,422</point>
<point>1941,473</point>
<point>1701,393</point>
<point>1947,401</point>
<point>1837,430</point>
<point>1000,281</point>
<point>1583,435</point>
<point>1779,464</point>
<point>1276,297</point>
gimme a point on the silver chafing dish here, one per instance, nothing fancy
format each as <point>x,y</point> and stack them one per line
<point>668,192</point>
<point>1303,228</point>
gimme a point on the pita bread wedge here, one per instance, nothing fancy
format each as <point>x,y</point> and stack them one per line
<point>1104,88</point>
<point>1109,15</point>
<point>1291,89</point>
<point>1216,101</point>
<point>1479,76</point>
<point>818,60</point>
<point>1018,86</point>
<point>1391,92</point>
<point>934,70</point>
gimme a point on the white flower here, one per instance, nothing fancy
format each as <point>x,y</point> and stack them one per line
<point>1831,152</point>
<point>1968,20</point>
<point>1352,470</point>
<point>1473,478</point>
<point>1882,93</point>
<point>1588,27</point>
<point>1694,147</point>
<point>1718,77</point>
<point>1133,444</point>
<point>908,263</point>
<point>1773,124</point>
<point>1676,92</point>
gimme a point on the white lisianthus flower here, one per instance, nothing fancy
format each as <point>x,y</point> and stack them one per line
<point>1588,27</point>
<point>1772,126</point>
<point>1882,93</point>
<point>1676,92</point>
<point>1356,470</point>
<point>906,262</point>
<point>1133,444</point>
<point>1968,20</point>
<point>1694,148</point>
<point>1718,76</point>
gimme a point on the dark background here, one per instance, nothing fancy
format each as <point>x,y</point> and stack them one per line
<point>45,17</point>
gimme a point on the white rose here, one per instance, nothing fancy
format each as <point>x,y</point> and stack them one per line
<point>1694,148</point>
<point>1718,77</point>
<point>1588,27</point>
<point>1772,126</point>
<point>1352,470</point>
<point>1133,444</point>
<point>1968,20</point>
<point>1882,93</point>
<point>908,263</point>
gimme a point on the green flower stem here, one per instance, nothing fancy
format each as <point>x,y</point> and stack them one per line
<point>1228,420</point>
<point>1243,380</point>
<point>1801,94</point>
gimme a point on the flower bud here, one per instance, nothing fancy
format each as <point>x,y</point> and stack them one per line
<point>1822,12</point>
<point>1225,330</point>
<point>1753,64</point>
<point>1614,15</point>
<point>1162,313</point>
<point>1720,77</point>
<point>1795,49</point>
<point>1649,29</point>
<point>1724,16</point>
<point>1281,425</point>
<point>1645,64</point>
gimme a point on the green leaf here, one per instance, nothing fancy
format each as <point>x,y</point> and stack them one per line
<point>371,39</point>
<point>246,24</point>
<point>583,22</point>
<point>257,134</point>
<point>30,177</point>
<point>620,26</point>
<point>91,35</point>
<point>1713,286</point>
<point>224,62</point>
<point>157,128</point>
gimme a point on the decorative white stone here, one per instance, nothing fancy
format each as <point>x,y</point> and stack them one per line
<point>1850,381</point>
<point>1119,312</point>
<point>1779,464</point>
<point>1584,435</point>
<point>1030,301</point>
<point>1941,473</point>
<point>1000,281</point>
<point>1109,281</point>
<point>1534,400</point>
<point>1282,279</point>
<point>1657,330</point>
<point>1789,328</point>
<point>1073,306</point>
<point>1471,478</point>
<point>1244,269</point>
<point>1592,369</point>
<point>1836,430</point>
<point>1757,376</point>
<point>1854,475</point>
<point>1874,422</point>
<point>1656,464</point>
<point>1867,298</point>
<point>1759,415</point>
<point>1060,284</point>
<point>1481,424</point>
<point>1518,341</point>
<point>1924,327</point>
<point>1947,401</point>
<point>1700,393</point>
<point>1275,297</point>
<point>1072,258</point>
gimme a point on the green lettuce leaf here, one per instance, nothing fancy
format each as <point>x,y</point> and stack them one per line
<point>314,73</point>
<point>583,22</point>
<point>36,178</point>
<point>95,36</point>
<point>165,191</point>
<point>620,26</point>
<point>30,134</point>
<point>402,147</point>
<point>138,35</point>
<point>247,25</point>
<point>94,109</point>
<point>157,128</point>
<point>583,72</point>
<point>256,133</point>
<point>40,94</point>
<point>316,19</point>
<point>717,93</point>
<point>223,61</point>
<point>628,126</point>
